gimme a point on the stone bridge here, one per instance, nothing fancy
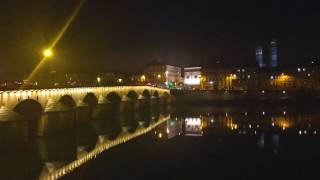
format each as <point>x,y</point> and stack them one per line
<point>44,106</point>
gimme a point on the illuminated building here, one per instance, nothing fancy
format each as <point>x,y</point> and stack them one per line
<point>259,57</point>
<point>163,75</point>
<point>192,76</point>
<point>273,54</point>
<point>228,78</point>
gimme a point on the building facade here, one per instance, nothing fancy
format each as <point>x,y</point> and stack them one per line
<point>260,57</point>
<point>273,54</point>
<point>163,75</point>
<point>192,77</point>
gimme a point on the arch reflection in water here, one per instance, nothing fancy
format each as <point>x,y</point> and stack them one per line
<point>103,144</point>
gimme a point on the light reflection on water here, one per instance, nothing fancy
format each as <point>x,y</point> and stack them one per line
<point>60,154</point>
<point>271,124</point>
<point>219,124</point>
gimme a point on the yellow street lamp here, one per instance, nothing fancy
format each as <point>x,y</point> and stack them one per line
<point>47,53</point>
<point>98,79</point>
<point>143,78</point>
<point>120,80</point>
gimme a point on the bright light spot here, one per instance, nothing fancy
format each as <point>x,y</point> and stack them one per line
<point>283,92</point>
<point>193,121</point>
<point>263,113</point>
<point>160,135</point>
<point>273,124</point>
<point>315,132</point>
<point>300,132</point>
<point>305,131</point>
<point>159,76</point>
<point>168,131</point>
<point>262,91</point>
<point>143,78</point>
<point>98,79</point>
<point>47,53</point>
<point>299,69</point>
<point>284,112</point>
<point>120,80</point>
<point>192,80</point>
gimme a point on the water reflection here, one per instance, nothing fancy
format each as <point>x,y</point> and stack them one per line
<point>38,157</point>
<point>64,149</point>
<point>268,125</point>
<point>249,124</point>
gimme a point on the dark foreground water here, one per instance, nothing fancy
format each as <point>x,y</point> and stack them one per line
<point>197,142</point>
<point>259,142</point>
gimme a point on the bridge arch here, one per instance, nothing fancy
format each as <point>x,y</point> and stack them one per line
<point>155,94</point>
<point>132,95</point>
<point>29,108</point>
<point>68,101</point>
<point>32,110</point>
<point>113,97</point>
<point>90,99</point>
<point>146,93</point>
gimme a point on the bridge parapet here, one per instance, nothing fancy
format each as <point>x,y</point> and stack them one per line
<point>47,97</point>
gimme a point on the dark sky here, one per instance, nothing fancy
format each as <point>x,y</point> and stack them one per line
<point>126,34</point>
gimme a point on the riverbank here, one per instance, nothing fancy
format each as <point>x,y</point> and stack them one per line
<point>245,97</point>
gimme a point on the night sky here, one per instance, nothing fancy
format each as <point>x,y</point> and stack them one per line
<point>124,35</point>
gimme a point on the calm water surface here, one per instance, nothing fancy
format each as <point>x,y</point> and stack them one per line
<point>199,142</point>
<point>225,142</point>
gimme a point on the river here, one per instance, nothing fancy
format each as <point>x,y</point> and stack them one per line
<point>183,142</point>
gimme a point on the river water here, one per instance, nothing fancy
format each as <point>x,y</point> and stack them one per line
<point>188,142</point>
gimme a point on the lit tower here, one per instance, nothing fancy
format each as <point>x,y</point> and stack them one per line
<point>259,57</point>
<point>273,54</point>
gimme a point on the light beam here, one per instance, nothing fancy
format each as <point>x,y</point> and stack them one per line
<point>55,42</point>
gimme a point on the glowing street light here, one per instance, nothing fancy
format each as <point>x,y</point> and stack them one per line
<point>143,78</point>
<point>120,80</point>
<point>47,53</point>
<point>98,79</point>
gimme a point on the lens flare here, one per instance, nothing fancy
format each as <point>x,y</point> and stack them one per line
<point>48,52</point>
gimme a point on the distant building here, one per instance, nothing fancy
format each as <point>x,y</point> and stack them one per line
<point>273,54</point>
<point>163,75</point>
<point>241,78</point>
<point>259,57</point>
<point>192,76</point>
